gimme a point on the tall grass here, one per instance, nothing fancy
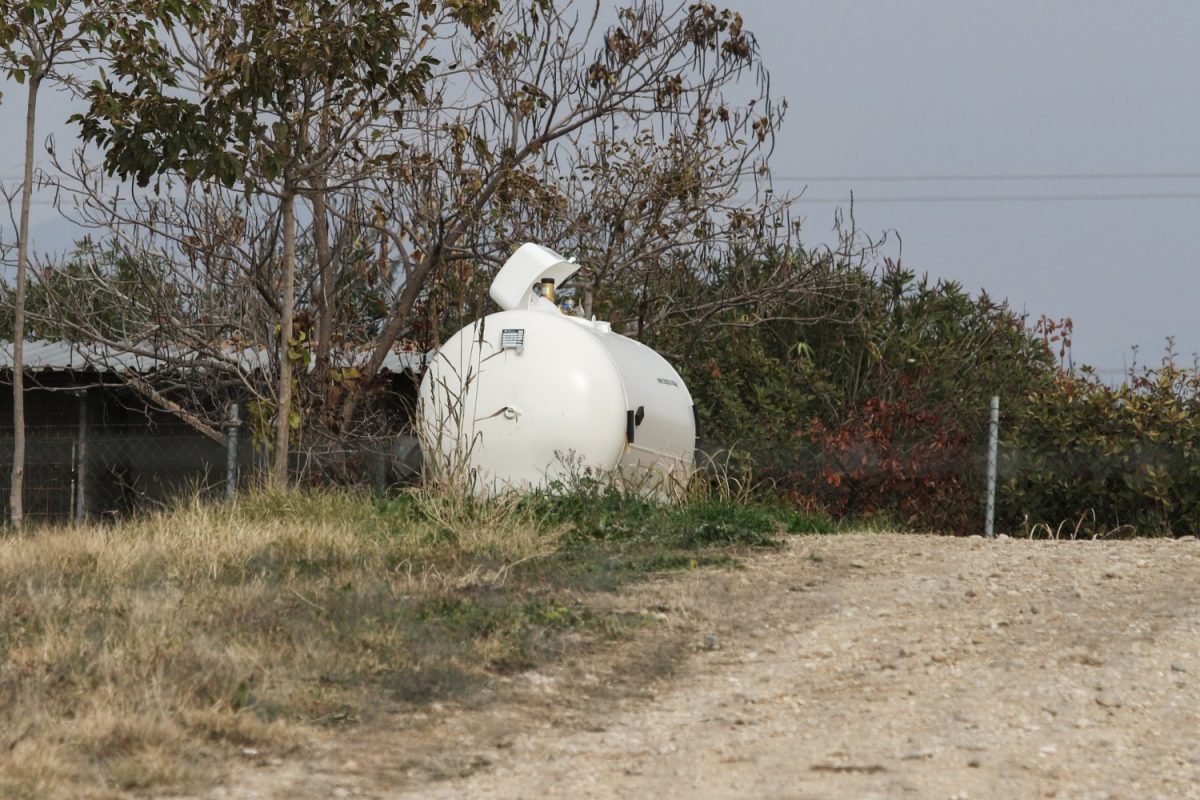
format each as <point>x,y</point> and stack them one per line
<point>209,627</point>
<point>138,657</point>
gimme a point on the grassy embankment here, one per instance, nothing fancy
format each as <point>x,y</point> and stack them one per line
<point>138,656</point>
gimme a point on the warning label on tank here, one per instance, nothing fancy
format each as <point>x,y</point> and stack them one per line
<point>512,338</point>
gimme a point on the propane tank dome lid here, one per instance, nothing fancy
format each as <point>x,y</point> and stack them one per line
<point>529,266</point>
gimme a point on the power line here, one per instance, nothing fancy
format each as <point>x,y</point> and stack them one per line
<point>986,177</point>
<point>948,178</point>
<point>1007,198</point>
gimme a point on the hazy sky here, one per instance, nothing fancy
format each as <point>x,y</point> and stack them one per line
<point>965,87</point>
<point>1011,87</point>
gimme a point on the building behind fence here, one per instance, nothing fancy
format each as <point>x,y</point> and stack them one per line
<point>96,449</point>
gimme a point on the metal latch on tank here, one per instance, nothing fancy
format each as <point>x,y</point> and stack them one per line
<point>632,420</point>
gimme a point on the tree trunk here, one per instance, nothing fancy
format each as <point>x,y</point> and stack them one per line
<point>416,283</point>
<point>16,497</point>
<point>283,423</point>
<point>324,288</point>
<point>325,277</point>
<point>399,316</point>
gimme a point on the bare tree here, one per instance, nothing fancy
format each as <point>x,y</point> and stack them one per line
<point>234,98</point>
<point>36,39</point>
<point>636,141</point>
<point>620,143</point>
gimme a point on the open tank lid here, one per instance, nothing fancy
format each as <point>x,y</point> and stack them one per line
<point>513,286</point>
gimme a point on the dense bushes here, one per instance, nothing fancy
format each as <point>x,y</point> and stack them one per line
<point>869,400</point>
<point>872,400</point>
<point>1081,457</point>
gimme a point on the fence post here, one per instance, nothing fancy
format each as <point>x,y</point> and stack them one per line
<point>231,470</point>
<point>81,459</point>
<point>989,524</point>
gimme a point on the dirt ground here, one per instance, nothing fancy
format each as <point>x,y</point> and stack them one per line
<point>865,666</point>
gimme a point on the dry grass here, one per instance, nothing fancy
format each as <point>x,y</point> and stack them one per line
<point>136,657</point>
<point>140,658</point>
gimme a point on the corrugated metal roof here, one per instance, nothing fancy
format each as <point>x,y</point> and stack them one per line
<point>40,355</point>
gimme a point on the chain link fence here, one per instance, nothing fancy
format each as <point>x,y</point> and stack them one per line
<point>1101,462</point>
<point>73,474</point>
<point>110,472</point>
<point>1035,474</point>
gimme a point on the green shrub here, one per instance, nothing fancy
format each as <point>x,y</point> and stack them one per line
<point>1084,458</point>
<point>871,399</point>
<point>597,509</point>
<point>718,524</point>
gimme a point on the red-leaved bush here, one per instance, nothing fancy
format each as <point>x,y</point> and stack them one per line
<point>915,463</point>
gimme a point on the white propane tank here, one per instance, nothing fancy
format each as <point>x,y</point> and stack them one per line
<point>529,394</point>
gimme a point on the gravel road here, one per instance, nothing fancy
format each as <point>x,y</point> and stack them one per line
<point>865,666</point>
